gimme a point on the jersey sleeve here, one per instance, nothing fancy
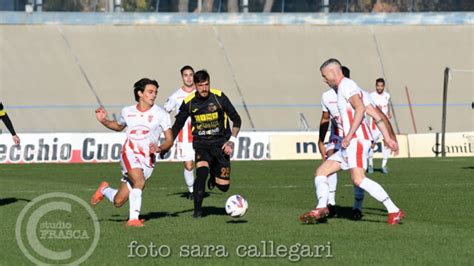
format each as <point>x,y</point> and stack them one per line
<point>165,122</point>
<point>181,118</point>
<point>121,119</point>
<point>323,106</point>
<point>366,99</point>
<point>170,104</point>
<point>231,112</point>
<point>350,89</point>
<point>2,112</point>
<point>6,120</point>
<point>388,96</point>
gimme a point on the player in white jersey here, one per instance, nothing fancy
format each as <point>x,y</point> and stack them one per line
<point>144,123</point>
<point>330,113</point>
<point>381,99</point>
<point>184,140</point>
<point>352,107</point>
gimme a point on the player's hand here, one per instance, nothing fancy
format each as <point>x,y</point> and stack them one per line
<point>16,139</point>
<point>322,150</point>
<point>393,145</point>
<point>345,142</point>
<point>101,114</point>
<point>154,148</point>
<point>228,147</point>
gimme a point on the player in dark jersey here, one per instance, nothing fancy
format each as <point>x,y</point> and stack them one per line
<point>210,110</point>
<point>8,123</point>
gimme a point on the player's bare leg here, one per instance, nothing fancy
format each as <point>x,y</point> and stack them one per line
<point>395,215</point>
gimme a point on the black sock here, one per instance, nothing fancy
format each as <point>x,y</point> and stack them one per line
<point>199,187</point>
<point>223,188</point>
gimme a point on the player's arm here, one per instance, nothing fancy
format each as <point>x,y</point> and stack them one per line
<point>169,104</point>
<point>8,123</point>
<point>180,119</point>
<point>165,145</point>
<point>101,115</point>
<point>359,110</point>
<point>323,129</point>
<point>379,121</point>
<point>386,121</point>
<point>229,108</point>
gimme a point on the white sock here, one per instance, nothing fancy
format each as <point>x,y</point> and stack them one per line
<point>358,197</point>
<point>322,191</point>
<point>189,179</point>
<point>135,198</point>
<point>332,180</point>
<point>386,153</point>
<point>371,157</point>
<point>109,193</point>
<point>376,191</point>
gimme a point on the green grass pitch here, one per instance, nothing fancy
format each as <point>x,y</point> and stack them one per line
<point>437,195</point>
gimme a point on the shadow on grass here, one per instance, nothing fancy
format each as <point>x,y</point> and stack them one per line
<point>344,212</point>
<point>7,201</point>
<point>237,221</point>
<point>468,167</point>
<point>185,194</point>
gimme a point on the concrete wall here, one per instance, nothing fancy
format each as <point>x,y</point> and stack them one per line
<point>275,66</point>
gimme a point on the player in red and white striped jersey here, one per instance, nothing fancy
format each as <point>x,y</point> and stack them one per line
<point>184,140</point>
<point>352,107</point>
<point>144,123</point>
<point>382,100</point>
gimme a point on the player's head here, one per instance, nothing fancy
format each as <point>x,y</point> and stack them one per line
<point>380,85</point>
<point>187,73</point>
<point>145,90</point>
<point>331,72</point>
<point>346,72</point>
<point>202,82</point>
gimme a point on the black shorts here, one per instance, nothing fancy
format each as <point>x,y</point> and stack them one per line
<point>219,162</point>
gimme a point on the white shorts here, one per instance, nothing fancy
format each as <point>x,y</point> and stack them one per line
<point>184,151</point>
<point>355,156</point>
<point>130,160</point>
<point>334,143</point>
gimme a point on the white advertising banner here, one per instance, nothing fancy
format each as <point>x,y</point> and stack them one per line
<point>107,147</point>
<point>103,147</point>
<point>459,144</point>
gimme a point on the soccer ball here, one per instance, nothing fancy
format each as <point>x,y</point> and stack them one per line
<point>236,206</point>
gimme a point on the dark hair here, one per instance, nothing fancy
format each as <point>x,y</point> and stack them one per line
<point>330,61</point>
<point>346,72</point>
<point>140,86</point>
<point>380,80</point>
<point>201,76</point>
<point>186,67</point>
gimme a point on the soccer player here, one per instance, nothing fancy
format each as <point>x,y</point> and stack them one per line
<point>144,122</point>
<point>355,144</point>
<point>330,113</point>
<point>184,142</point>
<point>209,110</point>
<point>8,123</point>
<point>381,99</point>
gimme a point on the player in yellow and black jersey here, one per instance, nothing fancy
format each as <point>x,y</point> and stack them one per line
<point>8,123</point>
<point>209,110</point>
